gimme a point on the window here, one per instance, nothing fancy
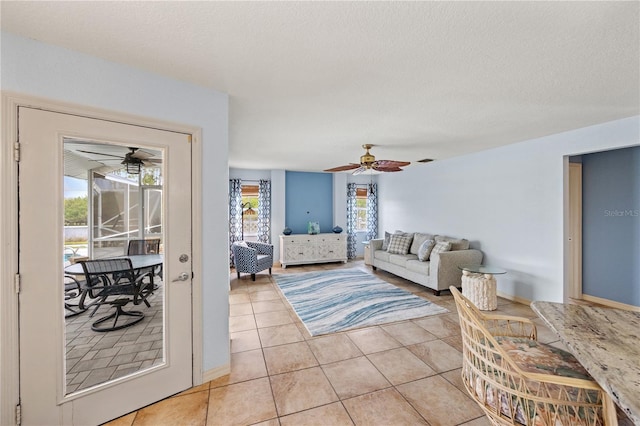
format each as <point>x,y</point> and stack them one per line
<point>250,212</point>
<point>361,209</point>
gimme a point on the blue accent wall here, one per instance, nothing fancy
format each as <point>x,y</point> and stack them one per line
<point>309,198</point>
<point>611,225</point>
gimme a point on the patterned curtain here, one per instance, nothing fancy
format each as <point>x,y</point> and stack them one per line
<point>235,213</point>
<point>372,211</point>
<point>264,211</point>
<point>352,219</point>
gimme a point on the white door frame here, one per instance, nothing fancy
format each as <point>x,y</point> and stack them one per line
<point>9,320</point>
<point>573,288</point>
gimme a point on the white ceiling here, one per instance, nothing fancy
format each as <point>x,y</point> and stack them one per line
<point>310,82</point>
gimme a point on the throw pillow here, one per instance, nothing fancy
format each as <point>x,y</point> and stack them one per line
<point>241,244</point>
<point>441,246</point>
<point>418,239</point>
<point>385,243</point>
<point>387,236</point>
<point>399,244</point>
<point>456,243</point>
<point>425,250</point>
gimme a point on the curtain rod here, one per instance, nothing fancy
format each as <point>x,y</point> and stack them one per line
<point>250,180</point>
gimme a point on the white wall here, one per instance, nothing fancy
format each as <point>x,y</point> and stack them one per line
<point>33,68</point>
<point>278,208</point>
<point>507,201</point>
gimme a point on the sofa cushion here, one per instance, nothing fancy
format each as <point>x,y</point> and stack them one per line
<point>418,239</point>
<point>456,243</point>
<point>425,250</point>
<point>532,357</point>
<point>441,246</point>
<point>401,259</point>
<point>381,255</point>
<point>399,244</point>
<point>418,266</point>
<point>536,357</point>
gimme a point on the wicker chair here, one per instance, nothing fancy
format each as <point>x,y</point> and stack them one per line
<point>519,381</point>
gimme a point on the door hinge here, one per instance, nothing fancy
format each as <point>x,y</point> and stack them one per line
<point>18,414</point>
<point>16,151</point>
<point>16,281</point>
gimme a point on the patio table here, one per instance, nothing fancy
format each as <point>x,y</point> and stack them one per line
<point>138,261</point>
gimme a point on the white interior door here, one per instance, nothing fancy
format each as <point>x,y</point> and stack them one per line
<point>48,395</point>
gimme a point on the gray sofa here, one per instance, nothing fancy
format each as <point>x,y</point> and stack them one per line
<point>437,273</point>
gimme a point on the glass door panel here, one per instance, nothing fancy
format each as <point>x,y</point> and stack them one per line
<point>97,352</point>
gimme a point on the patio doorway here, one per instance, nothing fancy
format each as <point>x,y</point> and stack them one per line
<point>52,342</point>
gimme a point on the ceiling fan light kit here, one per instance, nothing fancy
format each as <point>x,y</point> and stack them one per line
<point>132,163</point>
<point>369,162</point>
<point>132,166</point>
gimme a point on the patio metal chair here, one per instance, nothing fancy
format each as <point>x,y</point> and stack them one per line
<point>137,247</point>
<point>143,247</point>
<point>115,283</point>
<point>517,380</point>
<point>73,289</point>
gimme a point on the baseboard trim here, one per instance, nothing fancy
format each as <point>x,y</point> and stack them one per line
<point>610,303</point>
<point>514,298</point>
<point>215,373</point>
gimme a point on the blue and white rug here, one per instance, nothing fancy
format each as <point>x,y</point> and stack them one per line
<point>331,301</point>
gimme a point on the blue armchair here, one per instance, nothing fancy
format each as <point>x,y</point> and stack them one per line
<point>252,257</point>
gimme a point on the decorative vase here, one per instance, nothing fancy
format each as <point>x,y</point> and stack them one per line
<point>286,231</point>
<point>337,229</point>
<point>313,228</point>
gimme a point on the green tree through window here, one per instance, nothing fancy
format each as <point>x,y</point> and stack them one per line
<point>75,211</point>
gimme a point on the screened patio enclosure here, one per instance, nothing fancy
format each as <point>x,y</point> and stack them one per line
<point>121,206</point>
<point>122,210</point>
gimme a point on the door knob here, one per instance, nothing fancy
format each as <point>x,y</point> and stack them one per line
<point>182,277</point>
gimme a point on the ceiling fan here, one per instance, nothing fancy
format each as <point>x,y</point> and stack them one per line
<point>135,156</point>
<point>369,162</point>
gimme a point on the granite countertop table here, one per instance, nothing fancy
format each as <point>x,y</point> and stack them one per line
<point>606,342</point>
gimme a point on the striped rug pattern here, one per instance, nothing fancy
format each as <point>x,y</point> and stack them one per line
<point>331,301</point>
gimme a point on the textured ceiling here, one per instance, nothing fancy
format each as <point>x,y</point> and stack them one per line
<point>310,82</point>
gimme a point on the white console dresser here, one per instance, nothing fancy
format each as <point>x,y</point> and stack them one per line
<point>302,248</point>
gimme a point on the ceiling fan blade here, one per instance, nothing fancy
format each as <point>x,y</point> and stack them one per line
<point>390,163</point>
<point>343,168</point>
<point>143,155</point>
<point>388,169</point>
<point>151,163</point>
<point>101,153</point>
<point>360,170</point>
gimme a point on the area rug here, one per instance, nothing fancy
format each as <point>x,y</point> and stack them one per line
<point>331,301</point>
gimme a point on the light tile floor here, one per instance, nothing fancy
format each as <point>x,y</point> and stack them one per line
<point>392,374</point>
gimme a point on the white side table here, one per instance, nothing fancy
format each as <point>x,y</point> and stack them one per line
<point>367,253</point>
<point>479,285</point>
